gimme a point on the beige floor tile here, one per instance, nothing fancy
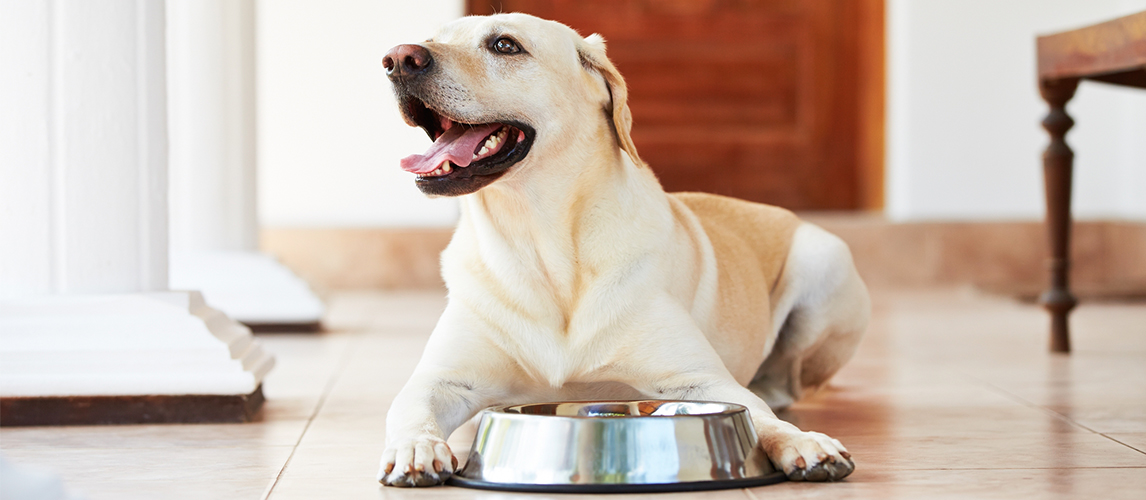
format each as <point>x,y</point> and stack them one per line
<point>986,484</point>
<point>336,461</point>
<point>937,395</point>
<point>310,488</point>
<point>130,489</point>
<point>373,375</point>
<point>305,366</point>
<point>87,469</point>
<point>1079,393</point>
<point>951,395</point>
<point>339,449</point>
<point>384,310</point>
<point>1101,327</point>
<point>1031,450</point>
<point>368,405</point>
<point>304,362</point>
<point>858,420</point>
<point>283,432</point>
<point>1048,376</point>
<point>1113,418</point>
<point>1134,440</point>
<point>386,358</point>
<point>288,408</point>
<point>347,429</point>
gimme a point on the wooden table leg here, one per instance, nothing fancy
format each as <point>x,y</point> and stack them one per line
<point>1058,162</point>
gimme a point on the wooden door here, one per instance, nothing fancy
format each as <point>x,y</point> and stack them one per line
<point>759,99</point>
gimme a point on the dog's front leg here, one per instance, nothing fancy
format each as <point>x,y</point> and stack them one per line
<point>457,377</point>
<point>688,368</point>
<point>421,418</point>
<point>803,456</point>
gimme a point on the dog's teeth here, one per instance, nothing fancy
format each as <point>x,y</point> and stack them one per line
<point>446,167</point>
<point>483,151</point>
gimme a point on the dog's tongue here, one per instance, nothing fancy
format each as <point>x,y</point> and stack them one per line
<point>456,145</point>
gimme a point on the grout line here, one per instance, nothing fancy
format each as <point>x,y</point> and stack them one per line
<point>752,495</point>
<point>1053,413</point>
<point>1019,399</point>
<point>343,362</point>
<point>1107,436</point>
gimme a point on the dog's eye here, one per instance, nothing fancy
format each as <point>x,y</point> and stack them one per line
<point>506,45</point>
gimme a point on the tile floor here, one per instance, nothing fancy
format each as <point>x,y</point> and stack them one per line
<point>951,395</point>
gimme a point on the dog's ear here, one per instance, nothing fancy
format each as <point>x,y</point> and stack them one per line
<point>592,55</point>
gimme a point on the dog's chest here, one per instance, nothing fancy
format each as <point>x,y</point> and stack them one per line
<point>554,358</point>
<point>557,342</point>
<point>560,308</point>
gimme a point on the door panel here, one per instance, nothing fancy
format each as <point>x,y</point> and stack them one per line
<point>756,99</point>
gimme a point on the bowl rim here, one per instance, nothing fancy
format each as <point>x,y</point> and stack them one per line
<point>730,409</point>
<point>621,488</point>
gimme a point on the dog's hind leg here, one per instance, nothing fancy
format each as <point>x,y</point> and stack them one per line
<point>819,315</point>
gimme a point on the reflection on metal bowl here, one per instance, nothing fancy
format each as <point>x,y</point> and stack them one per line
<point>616,446</point>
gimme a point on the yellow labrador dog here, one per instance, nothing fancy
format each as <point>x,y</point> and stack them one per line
<point>572,275</point>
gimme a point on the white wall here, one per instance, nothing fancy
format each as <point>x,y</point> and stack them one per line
<point>964,140</point>
<point>330,135</point>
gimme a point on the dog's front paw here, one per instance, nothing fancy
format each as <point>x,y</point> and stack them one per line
<point>809,456</point>
<point>423,461</point>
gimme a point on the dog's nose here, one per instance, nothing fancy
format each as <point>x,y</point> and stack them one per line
<point>406,60</point>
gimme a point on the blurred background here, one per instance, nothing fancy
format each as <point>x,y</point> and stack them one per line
<point>909,127</point>
<point>165,160</point>
<point>264,166</point>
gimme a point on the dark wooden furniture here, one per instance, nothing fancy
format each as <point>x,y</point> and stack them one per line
<point>1112,52</point>
<point>777,101</point>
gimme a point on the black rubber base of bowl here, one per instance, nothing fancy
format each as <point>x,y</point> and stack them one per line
<point>773,478</point>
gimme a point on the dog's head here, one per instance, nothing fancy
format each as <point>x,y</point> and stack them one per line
<point>505,92</point>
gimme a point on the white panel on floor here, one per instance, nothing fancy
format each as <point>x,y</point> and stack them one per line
<point>167,343</point>
<point>83,226</point>
<point>249,286</point>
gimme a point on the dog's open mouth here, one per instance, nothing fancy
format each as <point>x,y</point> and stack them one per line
<point>463,152</point>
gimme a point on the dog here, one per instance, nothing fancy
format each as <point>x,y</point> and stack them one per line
<point>572,275</point>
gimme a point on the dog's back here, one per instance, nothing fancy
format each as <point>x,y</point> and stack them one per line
<point>736,226</point>
<point>750,243</point>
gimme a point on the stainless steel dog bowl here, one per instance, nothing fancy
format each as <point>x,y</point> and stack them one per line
<point>616,446</point>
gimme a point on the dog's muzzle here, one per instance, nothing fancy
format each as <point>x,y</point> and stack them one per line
<point>467,154</point>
